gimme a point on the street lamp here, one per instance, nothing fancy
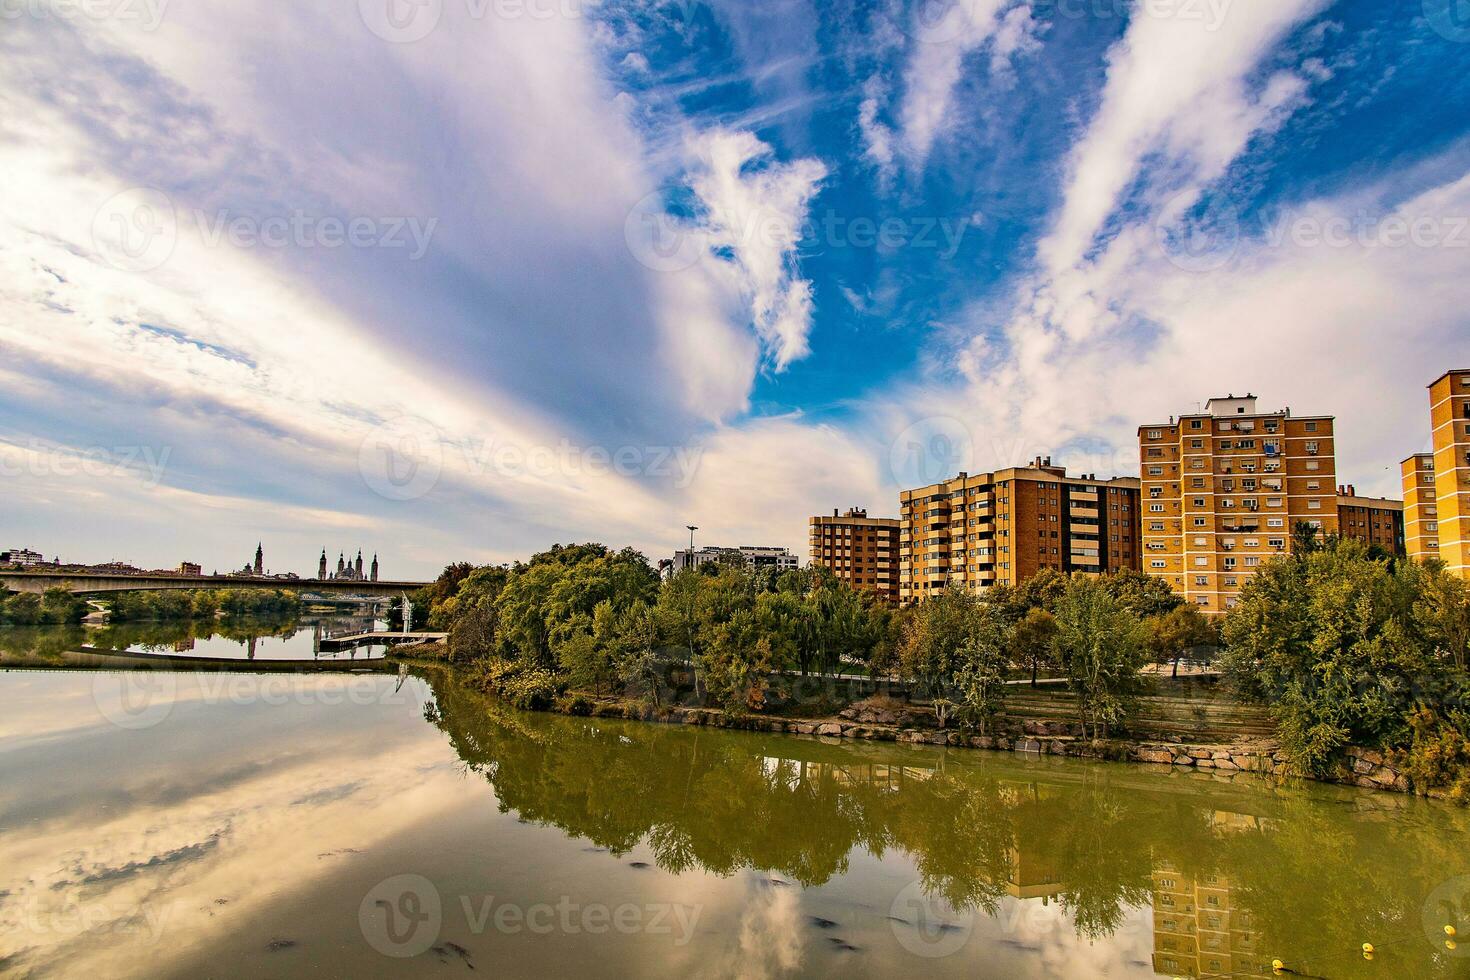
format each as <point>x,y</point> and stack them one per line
<point>689,558</point>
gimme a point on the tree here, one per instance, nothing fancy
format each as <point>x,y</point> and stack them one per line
<point>737,663</point>
<point>1344,649</point>
<point>1173,634</point>
<point>1141,594</point>
<point>1033,641</point>
<point>928,651</point>
<point>1101,648</point>
<point>980,675</point>
<point>636,649</point>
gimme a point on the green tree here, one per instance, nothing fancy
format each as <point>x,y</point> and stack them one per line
<point>1343,648</point>
<point>1141,594</point>
<point>928,653</point>
<point>979,679</point>
<point>1033,641</point>
<point>1100,645</point>
<point>1175,633</point>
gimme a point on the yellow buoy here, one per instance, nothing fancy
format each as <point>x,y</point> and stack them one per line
<point>1368,948</point>
<point>1450,945</point>
<point>1277,965</point>
<point>1449,931</point>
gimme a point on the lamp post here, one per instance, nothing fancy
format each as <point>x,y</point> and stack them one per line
<point>689,557</point>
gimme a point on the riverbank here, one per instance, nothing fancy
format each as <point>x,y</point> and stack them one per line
<point>882,717</point>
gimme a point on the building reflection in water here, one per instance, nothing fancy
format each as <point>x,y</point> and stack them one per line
<point>1201,928</point>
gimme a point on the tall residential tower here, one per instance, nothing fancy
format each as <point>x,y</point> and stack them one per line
<point>1223,490</point>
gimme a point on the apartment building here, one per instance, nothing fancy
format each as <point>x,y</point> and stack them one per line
<point>749,557</point>
<point>1223,489</point>
<point>1372,520</point>
<point>1421,510</point>
<point>982,529</point>
<point>860,550</point>
<point>1449,418</point>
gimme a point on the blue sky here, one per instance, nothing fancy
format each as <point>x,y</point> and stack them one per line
<point>464,278</point>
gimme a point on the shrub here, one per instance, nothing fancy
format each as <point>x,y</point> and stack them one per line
<point>1438,757</point>
<point>574,704</point>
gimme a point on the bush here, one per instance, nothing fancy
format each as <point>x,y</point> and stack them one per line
<point>1438,757</point>
<point>523,685</point>
<point>574,704</point>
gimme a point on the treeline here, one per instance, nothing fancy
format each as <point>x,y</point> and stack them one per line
<point>585,618</point>
<point>55,607</point>
<point>183,604</point>
<point>960,648</point>
<point>1350,648</point>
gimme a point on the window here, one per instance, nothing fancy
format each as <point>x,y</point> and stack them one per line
<point>1155,434</point>
<point>1156,508</point>
<point>1311,447</point>
<point>1311,426</point>
<point>1275,522</point>
<point>1157,563</point>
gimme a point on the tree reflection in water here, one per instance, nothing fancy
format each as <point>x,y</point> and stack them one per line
<point>1231,871</point>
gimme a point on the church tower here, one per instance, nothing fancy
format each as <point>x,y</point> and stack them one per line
<point>321,566</point>
<point>375,568</point>
<point>259,559</point>
<point>359,565</point>
<point>341,564</point>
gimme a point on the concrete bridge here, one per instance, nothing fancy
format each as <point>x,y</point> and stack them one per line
<point>87,583</point>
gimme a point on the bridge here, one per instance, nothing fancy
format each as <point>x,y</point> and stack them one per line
<point>88,583</point>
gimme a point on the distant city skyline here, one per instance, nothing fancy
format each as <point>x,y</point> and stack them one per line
<point>520,281</point>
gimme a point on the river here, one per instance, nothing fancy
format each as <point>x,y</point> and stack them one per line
<point>380,824</point>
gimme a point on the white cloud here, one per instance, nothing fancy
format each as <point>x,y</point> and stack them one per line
<point>1110,334</point>
<point>936,61</point>
<point>1176,85</point>
<point>756,209</point>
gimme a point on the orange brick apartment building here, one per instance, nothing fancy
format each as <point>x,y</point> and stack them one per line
<point>981,529</point>
<point>860,550</point>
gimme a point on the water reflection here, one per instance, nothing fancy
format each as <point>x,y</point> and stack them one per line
<point>244,638</point>
<point>1229,871</point>
<point>243,836</point>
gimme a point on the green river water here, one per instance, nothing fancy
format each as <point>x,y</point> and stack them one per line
<point>380,824</point>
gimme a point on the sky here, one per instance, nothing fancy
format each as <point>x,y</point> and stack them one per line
<point>451,280</point>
